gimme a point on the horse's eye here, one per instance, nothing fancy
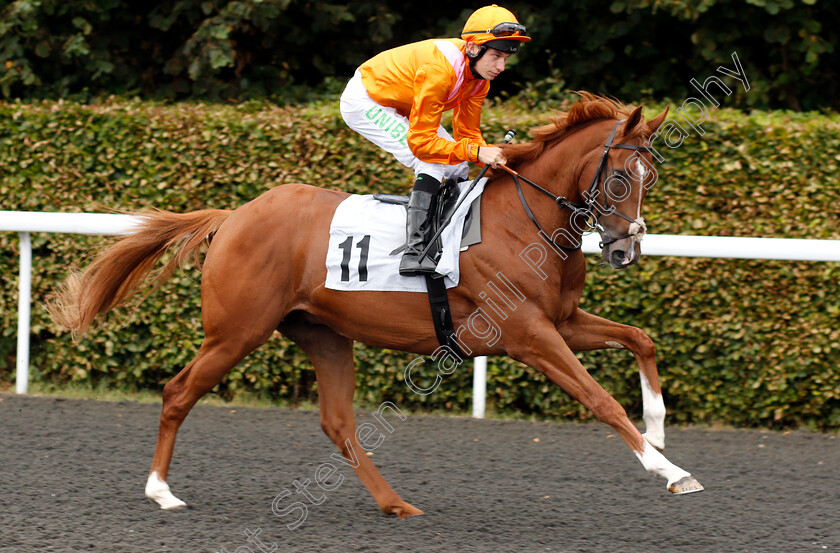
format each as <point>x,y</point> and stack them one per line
<point>618,186</point>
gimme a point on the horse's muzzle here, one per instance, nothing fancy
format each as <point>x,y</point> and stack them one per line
<point>623,253</point>
<point>619,258</point>
<point>627,250</point>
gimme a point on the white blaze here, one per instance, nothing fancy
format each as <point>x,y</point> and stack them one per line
<point>642,171</point>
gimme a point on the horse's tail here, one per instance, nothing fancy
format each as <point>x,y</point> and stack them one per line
<point>118,272</point>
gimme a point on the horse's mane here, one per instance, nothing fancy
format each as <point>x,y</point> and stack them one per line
<point>590,107</point>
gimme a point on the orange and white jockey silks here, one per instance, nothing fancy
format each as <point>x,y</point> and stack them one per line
<point>397,98</point>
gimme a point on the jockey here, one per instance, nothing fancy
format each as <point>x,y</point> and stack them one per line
<point>396,100</point>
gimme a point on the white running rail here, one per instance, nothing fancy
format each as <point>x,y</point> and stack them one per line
<point>26,222</point>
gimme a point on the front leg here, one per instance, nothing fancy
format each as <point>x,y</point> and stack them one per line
<point>586,332</point>
<point>541,347</point>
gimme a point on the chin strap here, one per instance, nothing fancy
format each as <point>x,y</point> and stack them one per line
<point>472,59</point>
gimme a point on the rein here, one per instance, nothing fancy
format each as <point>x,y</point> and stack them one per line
<point>591,206</point>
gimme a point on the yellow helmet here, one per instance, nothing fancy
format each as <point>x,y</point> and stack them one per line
<point>496,28</point>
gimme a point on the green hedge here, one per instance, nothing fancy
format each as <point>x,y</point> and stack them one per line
<point>752,343</point>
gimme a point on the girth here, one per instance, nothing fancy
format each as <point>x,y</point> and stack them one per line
<point>443,206</point>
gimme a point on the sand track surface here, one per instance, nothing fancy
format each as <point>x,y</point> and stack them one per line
<point>73,473</point>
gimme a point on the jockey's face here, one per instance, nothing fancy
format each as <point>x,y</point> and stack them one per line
<point>491,63</point>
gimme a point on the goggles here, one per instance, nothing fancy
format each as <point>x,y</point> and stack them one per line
<point>502,29</point>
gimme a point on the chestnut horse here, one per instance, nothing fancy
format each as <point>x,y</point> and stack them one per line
<point>264,271</point>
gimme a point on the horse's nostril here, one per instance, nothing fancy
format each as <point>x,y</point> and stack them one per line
<point>618,257</point>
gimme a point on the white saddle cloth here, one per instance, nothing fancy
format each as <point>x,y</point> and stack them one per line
<point>364,231</point>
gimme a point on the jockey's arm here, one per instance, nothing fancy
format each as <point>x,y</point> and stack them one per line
<point>466,116</point>
<point>431,86</point>
<point>466,123</point>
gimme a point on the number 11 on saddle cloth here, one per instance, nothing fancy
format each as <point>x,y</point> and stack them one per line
<point>364,232</point>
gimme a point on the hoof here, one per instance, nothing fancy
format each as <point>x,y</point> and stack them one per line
<point>657,442</point>
<point>686,484</point>
<point>403,510</point>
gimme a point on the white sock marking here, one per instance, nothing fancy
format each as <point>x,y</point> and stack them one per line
<point>656,463</point>
<point>653,408</point>
<point>158,491</point>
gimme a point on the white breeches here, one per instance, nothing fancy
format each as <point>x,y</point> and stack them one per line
<point>388,129</point>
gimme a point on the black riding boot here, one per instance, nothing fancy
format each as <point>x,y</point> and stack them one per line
<point>417,227</point>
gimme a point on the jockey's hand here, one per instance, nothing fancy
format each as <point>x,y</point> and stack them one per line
<point>491,155</point>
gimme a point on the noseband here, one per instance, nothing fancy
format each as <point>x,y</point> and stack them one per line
<point>590,208</point>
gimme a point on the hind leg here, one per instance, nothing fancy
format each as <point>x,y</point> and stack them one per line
<point>215,358</point>
<point>332,356</point>
<point>237,317</point>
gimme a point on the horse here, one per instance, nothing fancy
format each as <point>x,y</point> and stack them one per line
<point>264,270</point>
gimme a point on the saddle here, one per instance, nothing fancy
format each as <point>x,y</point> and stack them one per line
<point>443,206</point>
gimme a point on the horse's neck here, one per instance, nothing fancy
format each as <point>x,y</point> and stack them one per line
<point>558,171</point>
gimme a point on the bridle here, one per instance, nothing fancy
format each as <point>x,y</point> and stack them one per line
<point>592,210</point>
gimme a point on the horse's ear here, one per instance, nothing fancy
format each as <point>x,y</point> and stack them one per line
<point>654,123</point>
<point>634,119</point>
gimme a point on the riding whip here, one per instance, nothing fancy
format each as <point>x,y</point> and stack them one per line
<point>508,137</point>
